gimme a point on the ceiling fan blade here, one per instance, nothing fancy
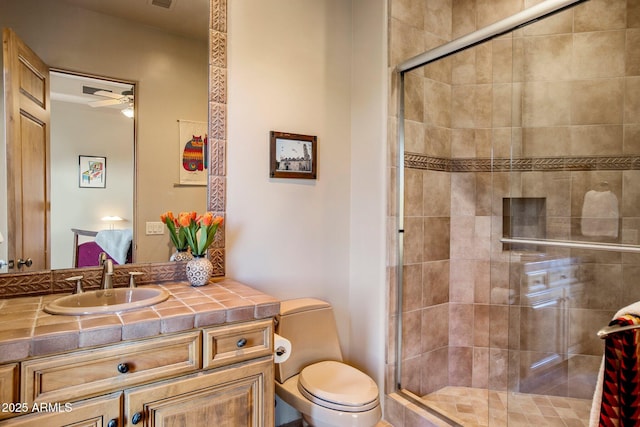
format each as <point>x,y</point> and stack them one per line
<point>108,94</point>
<point>104,103</point>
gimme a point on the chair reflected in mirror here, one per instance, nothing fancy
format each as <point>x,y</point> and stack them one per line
<point>88,244</point>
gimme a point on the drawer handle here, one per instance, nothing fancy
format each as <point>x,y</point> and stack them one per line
<point>123,368</point>
<point>241,342</point>
<point>135,419</point>
<point>112,423</point>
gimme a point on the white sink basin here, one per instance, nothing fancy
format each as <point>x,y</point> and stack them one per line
<point>106,301</point>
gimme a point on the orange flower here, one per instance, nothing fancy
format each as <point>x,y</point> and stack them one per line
<point>206,219</point>
<point>167,215</point>
<point>184,218</point>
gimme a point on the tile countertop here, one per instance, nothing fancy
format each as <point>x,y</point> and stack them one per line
<point>26,330</point>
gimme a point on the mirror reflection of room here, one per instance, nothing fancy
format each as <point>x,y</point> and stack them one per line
<point>92,164</point>
<point>165,54</point>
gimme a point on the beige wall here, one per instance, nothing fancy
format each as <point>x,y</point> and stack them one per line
<point>171,72</point>
<point>316,68</point>
<point>368,295</point>
<point>289,71</point>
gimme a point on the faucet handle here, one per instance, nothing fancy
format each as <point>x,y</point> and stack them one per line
<point>78,279</point>
<point>132,278</point>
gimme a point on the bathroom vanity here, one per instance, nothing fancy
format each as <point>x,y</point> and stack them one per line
<point>203,357</point>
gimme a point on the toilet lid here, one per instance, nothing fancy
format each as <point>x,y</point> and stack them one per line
<point>338,386</point>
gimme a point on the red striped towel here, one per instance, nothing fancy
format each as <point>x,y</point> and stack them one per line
<point>620,398</point>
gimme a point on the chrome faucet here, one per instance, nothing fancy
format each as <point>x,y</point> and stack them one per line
<point>107,271</point>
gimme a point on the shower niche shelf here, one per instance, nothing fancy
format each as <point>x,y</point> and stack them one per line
<point>523,218</point>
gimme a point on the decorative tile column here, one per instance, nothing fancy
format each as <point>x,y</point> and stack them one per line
<point>216,189</point>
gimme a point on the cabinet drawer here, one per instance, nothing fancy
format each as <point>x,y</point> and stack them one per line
<point>9,380</point>
<point>67,377</point>
<point>231,344</point>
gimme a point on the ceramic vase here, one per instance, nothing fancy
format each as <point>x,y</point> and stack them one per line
<point>181,255</point>
<point>199,270</point>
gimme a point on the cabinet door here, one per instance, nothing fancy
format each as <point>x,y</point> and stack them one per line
<point>9,375</point>
<point>102,411</point>
<point>238,396</point>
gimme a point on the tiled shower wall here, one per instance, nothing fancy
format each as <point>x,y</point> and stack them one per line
<point>573,124</point>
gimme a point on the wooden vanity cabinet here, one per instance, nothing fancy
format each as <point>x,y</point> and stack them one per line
<point>166,382</point>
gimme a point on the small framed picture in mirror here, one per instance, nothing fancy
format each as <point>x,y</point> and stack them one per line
<point>92,172</point>
<point>293,155</point>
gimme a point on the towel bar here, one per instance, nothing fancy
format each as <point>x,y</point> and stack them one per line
<point>608,330</point>
<point>615,247</point>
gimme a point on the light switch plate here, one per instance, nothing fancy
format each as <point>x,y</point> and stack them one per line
<point>154,228</point>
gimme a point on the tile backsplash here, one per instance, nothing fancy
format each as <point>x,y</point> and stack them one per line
<point>53,282</point>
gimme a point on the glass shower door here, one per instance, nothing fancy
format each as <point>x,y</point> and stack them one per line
<point>571,213</point>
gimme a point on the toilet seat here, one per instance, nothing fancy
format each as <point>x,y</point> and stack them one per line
<point>338,386</point>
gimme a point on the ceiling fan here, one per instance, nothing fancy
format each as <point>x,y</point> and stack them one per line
<point>112,98</point>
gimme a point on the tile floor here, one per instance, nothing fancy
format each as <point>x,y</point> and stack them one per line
<point>470,407</point>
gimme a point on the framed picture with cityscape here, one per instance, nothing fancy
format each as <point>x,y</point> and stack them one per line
<point>293,155</point>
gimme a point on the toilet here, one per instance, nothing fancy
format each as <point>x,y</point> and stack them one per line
<point>314,380</point>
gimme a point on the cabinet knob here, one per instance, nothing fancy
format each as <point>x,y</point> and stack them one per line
<point>241,342</point>
<point>135,419</point>
<point>123,368</point>
<point>28,262</point>
<point>112,423</point>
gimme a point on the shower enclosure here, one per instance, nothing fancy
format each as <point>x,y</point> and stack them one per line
<point>518,204</point>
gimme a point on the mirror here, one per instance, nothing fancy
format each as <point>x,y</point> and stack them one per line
<point>164,52</point>
<point>98,173</point>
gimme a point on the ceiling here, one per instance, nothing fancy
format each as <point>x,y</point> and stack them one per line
<point>189,18</point>
<point>68,88</point>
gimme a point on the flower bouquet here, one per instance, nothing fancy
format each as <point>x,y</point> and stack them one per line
<point>178,237</point>
<point>176,233</point>
<point>196,233</point>
<point>199,231</point>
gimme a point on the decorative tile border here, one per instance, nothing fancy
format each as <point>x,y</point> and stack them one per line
<point>585,163</point>
<point>420,161</point>
<point>26,284</point>
<point>217,188</point>
<point>53,282</point>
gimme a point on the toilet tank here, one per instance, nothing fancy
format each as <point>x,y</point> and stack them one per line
<point>311,327</point>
